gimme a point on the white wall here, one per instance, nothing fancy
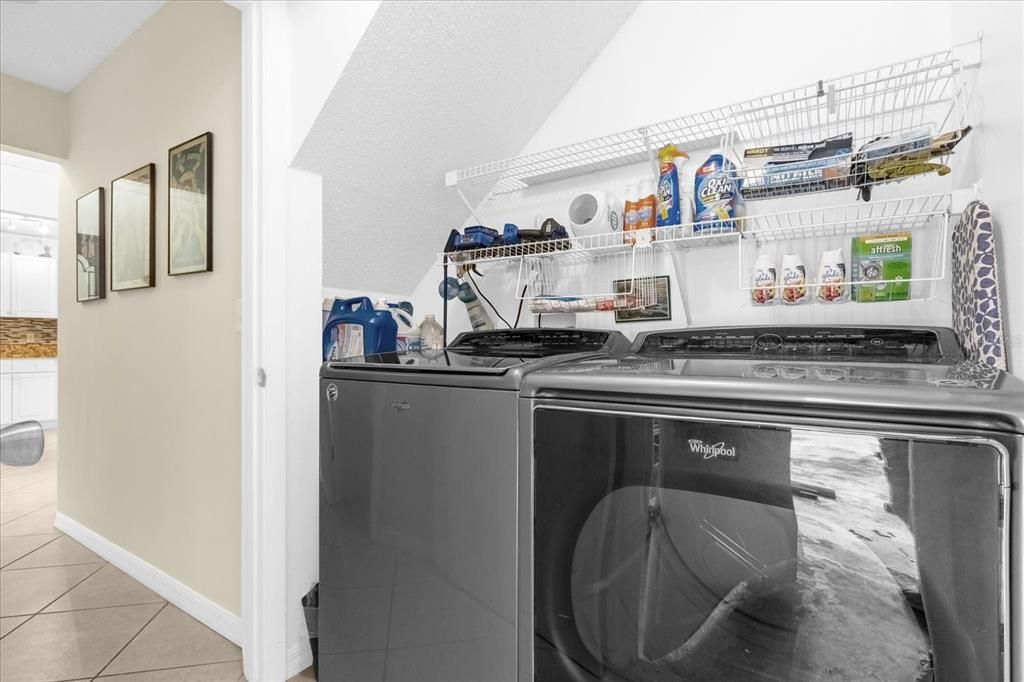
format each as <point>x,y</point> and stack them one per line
<point>149,379</point>
<point>33,118</point>
<point>701,70</point>
<point>999,147</point>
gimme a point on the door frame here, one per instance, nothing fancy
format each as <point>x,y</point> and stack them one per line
<point>262,325</point>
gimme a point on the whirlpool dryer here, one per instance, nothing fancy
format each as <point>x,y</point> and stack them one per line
<point>752,504</point>
<point>418,505</point>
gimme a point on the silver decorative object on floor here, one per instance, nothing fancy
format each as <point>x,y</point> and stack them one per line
<point>21,444</point>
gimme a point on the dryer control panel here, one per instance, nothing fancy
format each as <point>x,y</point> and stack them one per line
<point>852,344</point>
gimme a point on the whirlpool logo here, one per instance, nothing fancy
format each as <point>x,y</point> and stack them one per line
<point>712,450</point>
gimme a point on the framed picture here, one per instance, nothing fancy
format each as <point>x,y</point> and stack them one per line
<point>90,247</point>
<point>132,230</point>
<point>190,206</point>
<point>662,308</point>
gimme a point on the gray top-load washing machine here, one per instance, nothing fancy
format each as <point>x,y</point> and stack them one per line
<point>418,504</point>
<point>787,503</point>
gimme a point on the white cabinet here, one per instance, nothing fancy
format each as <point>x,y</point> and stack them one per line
<point>32,285</point>
<point>6,381</point>
<point>5,284</point>
<point>28,391</point>
<point>34,396</point>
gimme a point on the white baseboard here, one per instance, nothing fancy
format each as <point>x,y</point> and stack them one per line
<point>300,657</point>
<point>212,615</point>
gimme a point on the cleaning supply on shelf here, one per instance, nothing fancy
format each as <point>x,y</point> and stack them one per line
<point>409,340</point>
<point>355,328</point>
<point>432,333</point>
<point>881,263</point>
<point>764,281</point>
<point>640,208</point>
<point>794,280</point>
<point>833,285</point>
<point>592,213</point>
<point>630,212</point>
<point>716,196</point>
<point>647,207</point>
<point>669,194</point>
<point>478,316</point>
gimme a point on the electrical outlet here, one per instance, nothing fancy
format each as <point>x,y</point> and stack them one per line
<point>30,337</point>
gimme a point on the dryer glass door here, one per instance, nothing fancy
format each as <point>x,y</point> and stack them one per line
<point>671,549</point>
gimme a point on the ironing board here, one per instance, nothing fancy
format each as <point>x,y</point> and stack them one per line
<point>977,316</point>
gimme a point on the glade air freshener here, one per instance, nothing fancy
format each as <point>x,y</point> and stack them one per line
<point>833,286</point>
<point>764,281</point>
<point>794,280</point>
<point>716,195</point>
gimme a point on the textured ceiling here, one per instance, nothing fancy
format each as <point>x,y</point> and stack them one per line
<point>57,43</point>
<point>432,87</point>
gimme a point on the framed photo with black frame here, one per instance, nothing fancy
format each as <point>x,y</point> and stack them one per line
<point>133,230</point>
<point>90,247</point>
<point>662,308</point>
<point>190,206</point>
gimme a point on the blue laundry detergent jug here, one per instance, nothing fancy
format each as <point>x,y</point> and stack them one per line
<point>355,328</point>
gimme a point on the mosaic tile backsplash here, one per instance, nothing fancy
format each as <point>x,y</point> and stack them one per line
<point>28,337</point>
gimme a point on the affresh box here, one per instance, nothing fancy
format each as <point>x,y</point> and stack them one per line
<point>881,267</point>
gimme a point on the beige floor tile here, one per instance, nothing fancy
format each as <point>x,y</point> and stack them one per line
<point>63,551</point>
<point>38,522</point>
<point>70,645</point>
<point>15,547</point>
<point>31,590</point>
<point>22,501</point>
<point>218,672</point>
<point>106,587</point>
<point>45,487</point>
<point>174,639</point>
<point>8,624</point>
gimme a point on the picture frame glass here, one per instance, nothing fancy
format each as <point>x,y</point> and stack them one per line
<point>89,247</point>
<point>131,230</point>
<point>189,206</point>
<point>660,310</point>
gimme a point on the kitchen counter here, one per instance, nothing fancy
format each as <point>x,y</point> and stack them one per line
<point>28,350</point>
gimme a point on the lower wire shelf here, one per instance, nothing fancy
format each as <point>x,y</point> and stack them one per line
<point>617,271</point>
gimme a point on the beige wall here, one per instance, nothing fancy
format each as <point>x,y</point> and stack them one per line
<point>33,118</point>
<point>149,379</point>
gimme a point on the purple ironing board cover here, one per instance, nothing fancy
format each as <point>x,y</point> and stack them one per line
<point>977,317</point>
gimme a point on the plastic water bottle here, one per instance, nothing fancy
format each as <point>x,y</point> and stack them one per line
<point>432,333</point>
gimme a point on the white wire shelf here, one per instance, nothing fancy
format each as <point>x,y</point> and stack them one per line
<point>593,247</point>
<point>809,233</point>
<point>896,215</point>
<point>924,94</point>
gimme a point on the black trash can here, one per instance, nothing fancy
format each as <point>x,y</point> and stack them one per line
<point>311,607</point>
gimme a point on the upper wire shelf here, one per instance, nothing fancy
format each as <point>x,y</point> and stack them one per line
<point>923,96</point>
